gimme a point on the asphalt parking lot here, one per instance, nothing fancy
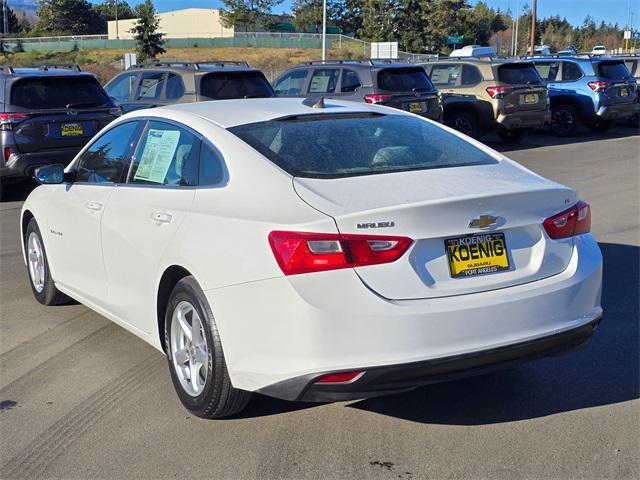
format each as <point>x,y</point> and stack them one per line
<point>82,398</point>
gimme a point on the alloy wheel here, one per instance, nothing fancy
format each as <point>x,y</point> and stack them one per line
<point>35,261</point>
<point>189,349</point>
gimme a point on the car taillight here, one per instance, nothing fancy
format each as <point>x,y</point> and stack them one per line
<point>598,86</point>
<point>7,153</point>
<point>374,98</point>
<point>302,252</point>
<point>571,222</point>
<point>343,377</point>
<point>497,92</point>
<point>8,119</point>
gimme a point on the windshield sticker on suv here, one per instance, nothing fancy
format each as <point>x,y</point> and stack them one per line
<point>158,154</point>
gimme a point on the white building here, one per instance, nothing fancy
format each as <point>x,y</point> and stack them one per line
<point>187,23</point>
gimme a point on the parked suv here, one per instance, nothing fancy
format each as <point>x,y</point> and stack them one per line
<point>480,95</point>
<point>165,83</point>
<point>48,114</point>
<point>398,85</point>
<point>589,90</point>
<point>632,62</point>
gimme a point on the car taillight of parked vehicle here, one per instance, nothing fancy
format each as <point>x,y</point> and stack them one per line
<point>497,92</point>
<point>302,252</point>
<point>598,86</point>
<point>7,120</point>
<point>375,98</point>
<point>573,221</point>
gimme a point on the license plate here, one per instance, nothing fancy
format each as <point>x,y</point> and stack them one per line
<point>71,130</point>
<point>624,92</point>
<point>529,98</point>
<point>477,254</point>
<point>416,107</point>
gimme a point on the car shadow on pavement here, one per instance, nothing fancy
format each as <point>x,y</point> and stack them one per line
<point>605,372</point>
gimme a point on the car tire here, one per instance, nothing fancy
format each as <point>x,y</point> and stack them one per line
<point>512,136</point>
<point>42,285</point>
<point>564,120</point>
<point>194,353</point>
<point>600,126</point>
<point>464,122</point>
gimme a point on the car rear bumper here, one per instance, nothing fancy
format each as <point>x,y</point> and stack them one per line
<point>618,112</point>
<point>532,119</point>
<point>24,164</point>
<point>280,334</point>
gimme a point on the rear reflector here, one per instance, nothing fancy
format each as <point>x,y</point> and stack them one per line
<point>344,377</point>
<point>573,221</point>
<point>7,153</point>
<point>302,252</point>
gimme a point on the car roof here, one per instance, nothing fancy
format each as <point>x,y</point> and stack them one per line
<point>43,71</point>
<point>356,64</point>
<point>230,113</point>
<point>195,67</point>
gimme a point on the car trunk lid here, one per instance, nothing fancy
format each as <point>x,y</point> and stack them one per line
<point>522,88</point>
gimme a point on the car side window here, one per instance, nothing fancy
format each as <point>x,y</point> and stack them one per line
<point>175,87</point>
<point>211,165</point>
<point>570,71</point>
<point>350,81</point>
<point>471,75</point>
<point>167,155</point>
<point>107,159</point>
<point>324,80</point>
<point>150,86</point>
<point>548,71</point>
<point>120,89</point>
<point>292,83</point>
<point>446,75</point>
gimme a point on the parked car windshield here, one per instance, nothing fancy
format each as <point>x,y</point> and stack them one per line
<point>345,145</point>
<point>518,74</point>
<point>44,93</point>
<point>613,70</point>
<point>228,85</point>
<point>404,79</point>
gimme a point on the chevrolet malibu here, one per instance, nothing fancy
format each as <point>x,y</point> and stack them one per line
<point>313,250</point>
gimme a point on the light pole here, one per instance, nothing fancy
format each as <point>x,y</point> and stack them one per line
<point>514,44</point>
<point>5,17</point>
<point>117,32</point>
<point>533,27</point>
<point>324,30</point>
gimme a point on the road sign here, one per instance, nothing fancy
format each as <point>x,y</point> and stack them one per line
<point>455,39</point>
<point>636,35</point>
<point>627,34</point>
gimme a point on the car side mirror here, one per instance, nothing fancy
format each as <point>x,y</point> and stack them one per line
<point>50,174</point>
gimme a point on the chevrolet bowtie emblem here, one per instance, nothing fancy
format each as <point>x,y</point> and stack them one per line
<point>483,221</point>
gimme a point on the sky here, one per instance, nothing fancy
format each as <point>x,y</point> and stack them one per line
<point>574,10</point>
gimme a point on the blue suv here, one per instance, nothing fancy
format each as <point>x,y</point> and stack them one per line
<point>589,90</point>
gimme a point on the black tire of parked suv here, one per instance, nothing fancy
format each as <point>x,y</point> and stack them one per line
<point>564,120</point>
<point>512,136</point>
<point>219,398</point>
<point>464,122</point>
<point>49,295</point>
<point>600,125</point>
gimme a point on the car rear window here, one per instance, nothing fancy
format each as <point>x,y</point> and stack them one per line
<point>403,80</point>
<point>42,93</point>
<point>346,145</point>
<point>518,74</point>
<point>613,70</point>
<point>228,85</point>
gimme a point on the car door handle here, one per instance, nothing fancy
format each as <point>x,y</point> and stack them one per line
<point>161,217</point>
<point>95,206</point>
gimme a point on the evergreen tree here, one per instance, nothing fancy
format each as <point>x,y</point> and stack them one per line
<point>307,14</point>
<point>149,42</point>
<point>68,17</point>
<point>247,14</point>
<point>14,24</point>
<point>107,9</point>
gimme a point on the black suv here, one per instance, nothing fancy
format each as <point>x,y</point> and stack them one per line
<point>48,114</point>
<point>399,85</point>
<point>165,83</point>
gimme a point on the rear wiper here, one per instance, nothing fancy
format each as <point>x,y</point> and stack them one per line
<point>421,89</point>
<point>81,105</point>
<point>257,95</point>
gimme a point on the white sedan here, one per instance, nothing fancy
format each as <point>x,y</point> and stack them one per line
<point>313,251</point>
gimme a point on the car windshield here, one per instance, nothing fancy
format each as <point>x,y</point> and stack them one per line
<point>518,74</point>
<point>613,70</point>
<point>44,93</point>
<point>228,85</point>
<point>346,145</point>
<point>404,80</point>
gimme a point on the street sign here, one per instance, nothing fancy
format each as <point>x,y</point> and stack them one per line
<point>627,34</point>
<point>455,39</point>
<point>636,35</point>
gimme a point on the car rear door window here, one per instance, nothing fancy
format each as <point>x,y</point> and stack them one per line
<point>229,85</point>
<point>570,71</point>
<point>470,75</point>
<point>520,74</point>
<point>60,92</point>
<point>615,70</point>
<point>121,87</point>
<point>107,159</point>
<point>446,75</point>
<point>175,87</point>
<point>408,79</point>
<point>324,80</point>
<point>150,86</point>
<point>167,155</point>
<point>350,81</point>
<point>292,83</point>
